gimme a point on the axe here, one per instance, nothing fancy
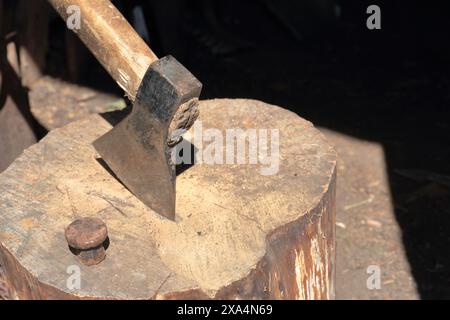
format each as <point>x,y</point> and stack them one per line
<point>163,92</point>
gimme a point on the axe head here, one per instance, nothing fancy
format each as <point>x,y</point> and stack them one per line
<point>138,149</point>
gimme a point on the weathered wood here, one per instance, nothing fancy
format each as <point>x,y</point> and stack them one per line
<point>16,124</point>
<point>16,133</point>
<point>55,103</point>
<point>33,39</point>
<point>238,234</point>
<point>112,40</point>
<point>77,56</point>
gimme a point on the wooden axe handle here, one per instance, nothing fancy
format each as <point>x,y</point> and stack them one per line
<point>111,39</point>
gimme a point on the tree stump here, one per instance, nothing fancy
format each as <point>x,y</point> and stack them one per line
<point>238,234</point>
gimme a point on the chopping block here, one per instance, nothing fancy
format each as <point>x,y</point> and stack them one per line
<point>238,234</point>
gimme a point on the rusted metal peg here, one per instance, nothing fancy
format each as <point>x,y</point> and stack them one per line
<point>86,238</point>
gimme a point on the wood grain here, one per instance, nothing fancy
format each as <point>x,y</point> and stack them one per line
<point>238,234</point>
<point>112,40</point>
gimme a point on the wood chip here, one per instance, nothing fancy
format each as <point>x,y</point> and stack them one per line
<point>341,225</point>
<point>374,223</point>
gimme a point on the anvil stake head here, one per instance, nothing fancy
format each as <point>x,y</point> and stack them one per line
<point>138,149</point>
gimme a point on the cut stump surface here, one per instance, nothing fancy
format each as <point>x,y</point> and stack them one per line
<point>237,234</point>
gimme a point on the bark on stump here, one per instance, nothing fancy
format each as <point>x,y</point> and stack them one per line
<point>237,234</point>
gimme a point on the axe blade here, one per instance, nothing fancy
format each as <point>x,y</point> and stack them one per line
<point>137,149</point>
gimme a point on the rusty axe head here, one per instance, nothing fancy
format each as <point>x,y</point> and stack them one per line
<point>138,149</point>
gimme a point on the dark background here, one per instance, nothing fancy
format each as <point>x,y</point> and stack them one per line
<point>318,59</point>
